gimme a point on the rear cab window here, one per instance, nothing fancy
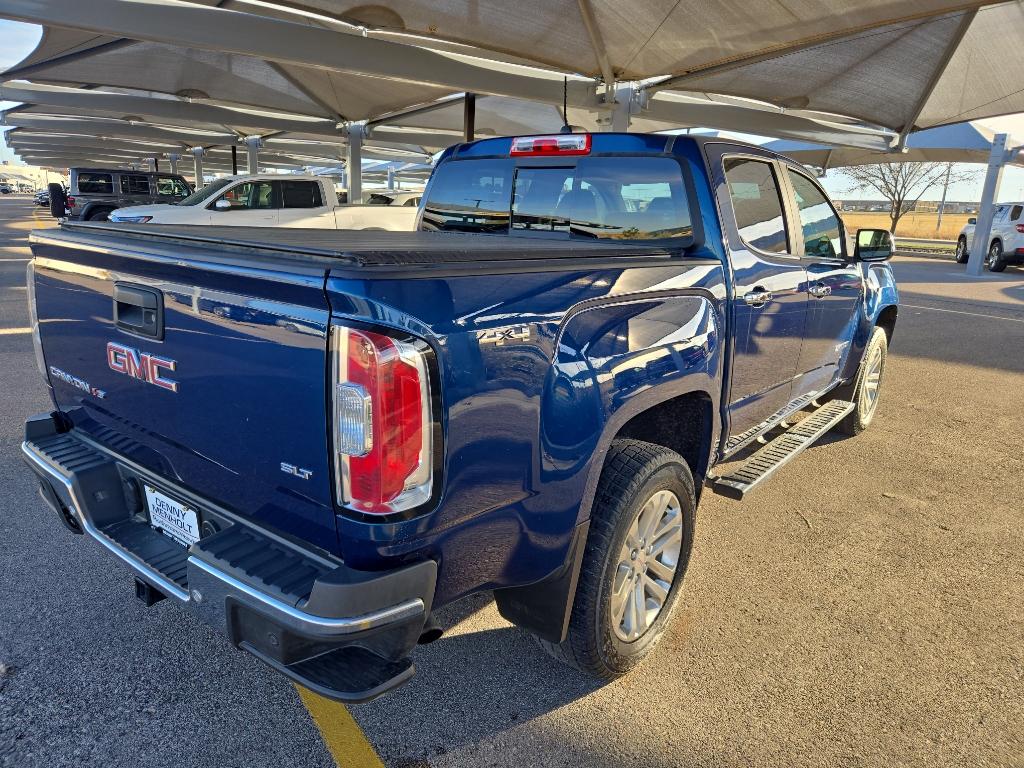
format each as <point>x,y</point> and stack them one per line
<point>95,183</point>
<point>629,198</point>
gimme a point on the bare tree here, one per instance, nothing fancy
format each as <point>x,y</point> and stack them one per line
<point>903,184</point>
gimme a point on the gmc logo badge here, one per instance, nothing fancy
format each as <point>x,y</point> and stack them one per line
<point>139,365</point>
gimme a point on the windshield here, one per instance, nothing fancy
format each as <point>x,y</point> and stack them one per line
<point>205,193</point>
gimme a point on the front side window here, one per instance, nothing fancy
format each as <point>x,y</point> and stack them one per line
<point>412,202</point>
<point>470,196</point>
<point>822,231</point>
<point>300,194</point>
<point>95,183</point>
<point>250,196</point>
<point>169,186</point>
<point>757,204</point>
<point>134,184</point>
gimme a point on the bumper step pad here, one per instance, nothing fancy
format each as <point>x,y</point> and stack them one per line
<point>351,675</point>
<point>780,451</point>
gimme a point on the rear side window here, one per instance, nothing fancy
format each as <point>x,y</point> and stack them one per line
<point>1015,212</point>
<point>470,196</point>
<point>172,187</point>
<point>134,185</point>
<point>379,199</point>
<point>95,183</point>
<point>757,204</point>
<point>300,194</point>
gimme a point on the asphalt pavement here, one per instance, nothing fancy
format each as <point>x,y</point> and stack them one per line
<point>863,609</point>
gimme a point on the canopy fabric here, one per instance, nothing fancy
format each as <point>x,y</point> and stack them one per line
<point>963,143</point>
<point>901,66</point>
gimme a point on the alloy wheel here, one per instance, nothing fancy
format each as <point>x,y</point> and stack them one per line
<point>647,566</point>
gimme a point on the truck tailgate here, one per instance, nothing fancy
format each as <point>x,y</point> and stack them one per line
<point>227,397</point>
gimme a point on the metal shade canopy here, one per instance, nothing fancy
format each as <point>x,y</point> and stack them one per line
<point>914,64</point>
<point>962,143</point>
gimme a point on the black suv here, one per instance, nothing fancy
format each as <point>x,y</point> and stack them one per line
<point>95,192</point>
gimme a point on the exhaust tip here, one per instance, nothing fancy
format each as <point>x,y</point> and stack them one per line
<point>431,631</point>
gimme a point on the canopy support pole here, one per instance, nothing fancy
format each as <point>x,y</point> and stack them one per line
<point>942,204</point>
<point>354,162</point>
<point>983,229</point>
<point>391,177</point>
<point>252,147</point>
<point>156,164</point>
<point>173,159</point>
<point>469,117</point>
<point>234,160</point>
<point>622,108</point>
<point>197,158</point>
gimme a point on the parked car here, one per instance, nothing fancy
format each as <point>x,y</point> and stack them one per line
<point>270,200</point>
<point>528,397</point>
<point>1006,245</point>
<point>42,197</point>
<point>6,189</point>
<point>96,192</point>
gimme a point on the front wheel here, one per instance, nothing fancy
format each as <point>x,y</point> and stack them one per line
<point>638,547</point>
<point>961,251</point>
<point>995,262</point>
<point>868,384</point>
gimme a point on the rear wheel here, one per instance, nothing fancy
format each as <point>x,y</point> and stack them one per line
<point>961,251</point>
<point>868,384</point>
<point>995,262</point>
<point>101,215</point>
<point>641,533</point>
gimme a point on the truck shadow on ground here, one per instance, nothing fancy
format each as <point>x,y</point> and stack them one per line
<point>470,685</point>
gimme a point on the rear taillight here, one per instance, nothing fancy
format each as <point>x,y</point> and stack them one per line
<point>557,144</point>
<point>383,422</point>
<point>70,202</point>
<point>1020,228</point>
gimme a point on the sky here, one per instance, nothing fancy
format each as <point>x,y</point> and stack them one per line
<point>18,40</point>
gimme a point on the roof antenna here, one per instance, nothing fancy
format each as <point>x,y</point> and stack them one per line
<point>566,128</point>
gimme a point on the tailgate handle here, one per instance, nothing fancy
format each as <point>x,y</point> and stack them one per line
<point>139,310</point>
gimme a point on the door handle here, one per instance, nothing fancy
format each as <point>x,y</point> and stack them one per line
<point>757,297</point>
<point>819,290</point>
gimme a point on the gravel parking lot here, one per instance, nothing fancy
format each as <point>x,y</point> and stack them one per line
<point>863,609</point>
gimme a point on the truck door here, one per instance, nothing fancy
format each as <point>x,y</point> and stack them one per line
<point>835,285</point>
<point>250,204</point>
<point>769,302</point>
<point>302,205</point>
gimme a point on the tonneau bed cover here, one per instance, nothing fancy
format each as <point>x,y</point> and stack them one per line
<point>360,247</point>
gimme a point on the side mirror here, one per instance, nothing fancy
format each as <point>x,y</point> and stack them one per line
<point>873,245</point>
<point>223,204</point>
<point>972,220</point>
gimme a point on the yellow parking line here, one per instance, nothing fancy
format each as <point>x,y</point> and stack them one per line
<point>13,331</point>
<point>341,734</point>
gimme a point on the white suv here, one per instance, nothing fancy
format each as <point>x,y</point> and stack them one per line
<point>1007,243</point>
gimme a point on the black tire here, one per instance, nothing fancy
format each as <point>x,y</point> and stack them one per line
<point>100,215</point>
<point>864,409</point>
<point>58,200</point>
<point>634,472</point>
<point>995,261</point>
<point>962,254</point>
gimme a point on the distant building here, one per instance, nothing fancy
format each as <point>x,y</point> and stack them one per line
<point>922,206</point>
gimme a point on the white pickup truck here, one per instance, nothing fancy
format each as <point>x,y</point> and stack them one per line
<point>271,200</point>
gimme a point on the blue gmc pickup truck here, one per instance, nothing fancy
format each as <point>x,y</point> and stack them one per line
<point>314,439</point>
